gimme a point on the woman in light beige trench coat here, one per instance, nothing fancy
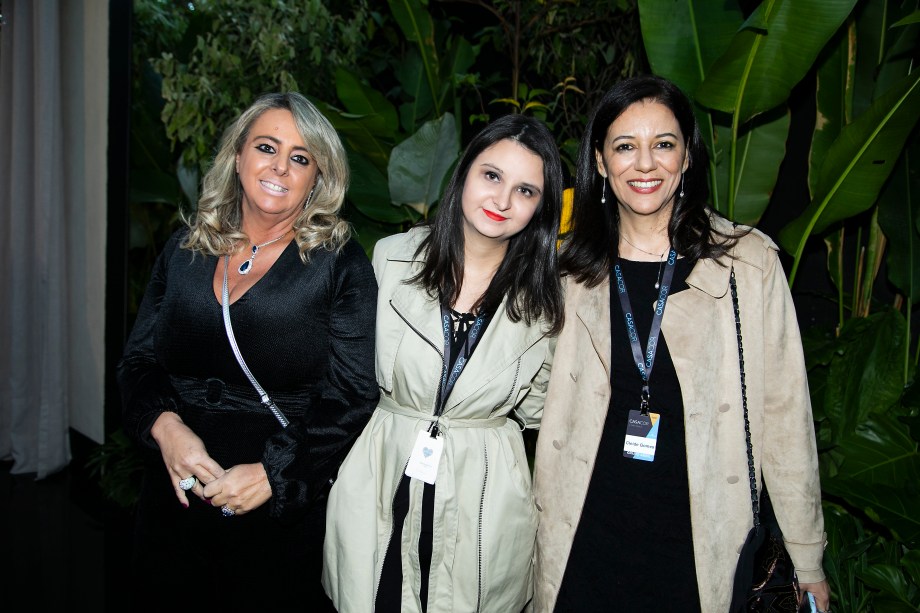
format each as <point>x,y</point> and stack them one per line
<point>641,478</point>
<point>457,537</point>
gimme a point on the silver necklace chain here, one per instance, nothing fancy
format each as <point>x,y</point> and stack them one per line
<point>246,266</point>
<point>657,255</point>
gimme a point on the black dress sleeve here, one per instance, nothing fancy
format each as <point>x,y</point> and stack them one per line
<point>146,391</point>
<point>302,460</point>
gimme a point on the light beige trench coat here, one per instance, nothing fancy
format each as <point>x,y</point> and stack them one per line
<point>484,517</point>
<point>700,331</point>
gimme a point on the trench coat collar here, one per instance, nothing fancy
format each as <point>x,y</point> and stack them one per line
<point>503,343</point>
<point>592,307</point>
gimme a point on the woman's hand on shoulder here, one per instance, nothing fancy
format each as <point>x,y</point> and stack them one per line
<point>242,488</point>
<point>185,456</point>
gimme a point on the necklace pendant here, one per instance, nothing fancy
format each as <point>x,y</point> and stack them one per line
<point>245,267</point>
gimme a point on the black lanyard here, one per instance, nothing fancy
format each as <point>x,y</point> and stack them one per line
<point>645,363</point>
<point>450,374</point>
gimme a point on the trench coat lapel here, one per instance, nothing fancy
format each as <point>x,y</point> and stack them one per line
<point>421,313</point>
<point>592,308</point>
<point>503,343</point>
<point>711,280</point>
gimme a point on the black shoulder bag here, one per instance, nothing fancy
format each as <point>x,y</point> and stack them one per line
<point>765,576</point>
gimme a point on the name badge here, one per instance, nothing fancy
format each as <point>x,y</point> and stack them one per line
<point>423,463</point>
<point>641,436</point>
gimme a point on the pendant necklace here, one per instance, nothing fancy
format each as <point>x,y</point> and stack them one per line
<point>660,256</point>
<point>246,266</point>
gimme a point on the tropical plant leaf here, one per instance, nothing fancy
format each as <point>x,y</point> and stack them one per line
<point>892,508</point>
<point>369,192</point>
<point>912,18</point>
<point>888,579</point>
<point>911,563</point>
<point>865,376</point>
<point>684,37</point>
<point>416,25</point>
<point>833,99</point>
<point>857,165</point>
<point>682,40</point>
<point>419,164</point>
<point>899,216</point>
<point>758,70</point>
<point>878,468</point>
<point>880,452</point>
<point>835,268</point>
<point>760,153</point>
<point>411,75</point>
<point>365,102</point>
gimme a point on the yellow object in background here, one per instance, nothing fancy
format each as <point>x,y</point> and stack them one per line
<point>565,221</point>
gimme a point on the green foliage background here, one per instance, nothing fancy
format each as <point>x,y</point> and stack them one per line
<point>407,82</point>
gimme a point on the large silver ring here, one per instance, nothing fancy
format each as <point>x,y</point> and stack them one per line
<point>189,483</point>
<point>227,511</point>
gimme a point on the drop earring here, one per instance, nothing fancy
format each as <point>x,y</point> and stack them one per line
<point>681,185</point>
<point>309,198</point>
<point>604,192</point>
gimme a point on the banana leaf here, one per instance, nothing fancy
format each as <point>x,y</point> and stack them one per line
<point>891,507</point>
<point>834,244</point>
<point>899,217</point>
<point>363,101</point>
<point>761,150</point>
<point>912,18</point>
<point>684,37</point>
<point>368,125</point>
<point>833,99</point>
<point>454,69</point>
<point>411,76</point>
<point>419,164</point>
<point>869,41</point>
<point>857,165</point>
<point>682,40</point>
<point>775,48</point>
<point>416,25</point>
<point>369,191</point>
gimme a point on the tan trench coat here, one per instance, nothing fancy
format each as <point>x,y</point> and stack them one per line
<point>485,521</point>
<point>700,331</point>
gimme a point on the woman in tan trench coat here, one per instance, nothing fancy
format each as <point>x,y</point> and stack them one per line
<point>641,480</point>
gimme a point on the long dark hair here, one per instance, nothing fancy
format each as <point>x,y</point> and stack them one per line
<point>529,273</point>
<point>591,247</point>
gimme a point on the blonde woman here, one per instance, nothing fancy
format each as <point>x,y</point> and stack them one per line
<point>232,506</point>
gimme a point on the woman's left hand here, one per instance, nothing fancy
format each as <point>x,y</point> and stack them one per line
<point>822,593</point>
<point>241,489</point>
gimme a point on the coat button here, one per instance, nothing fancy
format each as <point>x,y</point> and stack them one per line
<point>557,444</point>
<point>574,376</point>
<point>539,507</point>
<point>724,407</point>
<point>733,479</point>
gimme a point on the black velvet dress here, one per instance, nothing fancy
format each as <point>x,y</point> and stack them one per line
<point>633,549</point>
<point>307,334</point>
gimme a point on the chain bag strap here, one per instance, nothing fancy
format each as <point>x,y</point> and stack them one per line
<point>765,576</point>
<point>263,395</point>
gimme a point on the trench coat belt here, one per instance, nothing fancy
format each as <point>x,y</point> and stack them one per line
<point>445,422</point>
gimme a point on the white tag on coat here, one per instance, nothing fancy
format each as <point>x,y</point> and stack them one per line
<point>423,463</point>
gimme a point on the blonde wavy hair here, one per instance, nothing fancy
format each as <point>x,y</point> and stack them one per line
<point>216,226</point>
